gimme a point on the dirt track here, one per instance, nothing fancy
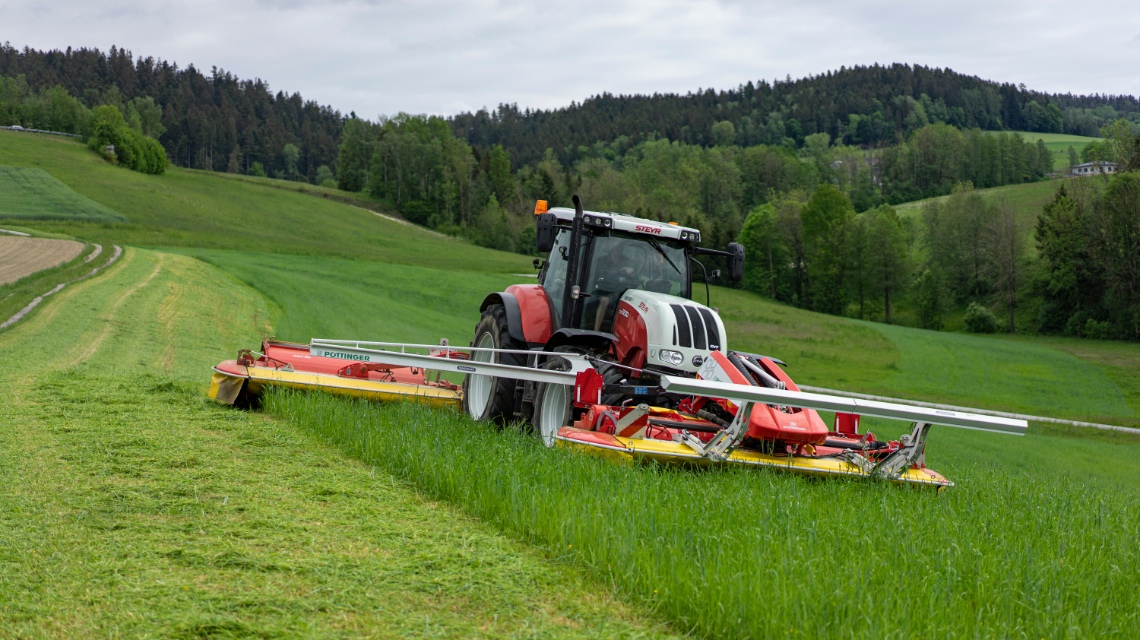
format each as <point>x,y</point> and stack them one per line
<point>21,257</point>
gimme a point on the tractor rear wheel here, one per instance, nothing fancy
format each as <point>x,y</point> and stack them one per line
<point>488,397</point>
<point>552,405</point>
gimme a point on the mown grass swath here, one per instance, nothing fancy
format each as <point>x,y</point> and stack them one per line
<point>741,553</point>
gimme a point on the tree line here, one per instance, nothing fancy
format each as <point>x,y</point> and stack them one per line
<point>813,251</point>
<point>868,106</point>
<point>212,121</point>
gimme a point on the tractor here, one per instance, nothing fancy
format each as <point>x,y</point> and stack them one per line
<point>612,287</point>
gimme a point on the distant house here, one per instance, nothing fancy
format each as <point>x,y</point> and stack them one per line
<point>1093,168</point>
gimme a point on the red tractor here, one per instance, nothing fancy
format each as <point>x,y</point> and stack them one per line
<point>607,353</point>
<point>616,289</point>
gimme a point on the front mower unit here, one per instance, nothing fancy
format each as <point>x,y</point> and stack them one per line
<point>721,419</point>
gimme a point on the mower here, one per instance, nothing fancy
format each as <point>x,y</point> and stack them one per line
<point>607,353</point>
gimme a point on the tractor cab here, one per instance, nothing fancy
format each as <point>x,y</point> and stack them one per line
<point>595,258</point>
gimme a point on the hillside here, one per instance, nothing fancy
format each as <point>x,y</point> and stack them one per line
<point>335,271</point>
<point>865,105</point>
<point>130,504</point>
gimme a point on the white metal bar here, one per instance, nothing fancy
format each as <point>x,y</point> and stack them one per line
<point>402,346</point>
<point>984,412</point>
<point>763,395</point>
<point>435,363</point>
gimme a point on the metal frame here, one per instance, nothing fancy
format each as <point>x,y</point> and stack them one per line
<point>396,354</point>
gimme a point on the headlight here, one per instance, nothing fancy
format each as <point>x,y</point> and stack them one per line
<point>671,357</point>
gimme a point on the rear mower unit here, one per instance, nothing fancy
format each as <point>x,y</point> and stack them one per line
<point>607,353</point>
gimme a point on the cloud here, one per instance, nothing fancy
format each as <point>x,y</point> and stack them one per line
<point>383,56</point>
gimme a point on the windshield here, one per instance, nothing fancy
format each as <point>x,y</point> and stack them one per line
<point>619,263</point>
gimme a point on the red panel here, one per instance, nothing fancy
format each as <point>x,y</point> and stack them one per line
<point>534,310</point>
<point>297,355</point>
<point>632,339</point>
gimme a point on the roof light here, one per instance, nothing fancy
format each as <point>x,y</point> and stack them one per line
<point>673,223</point>
<point>540,207</point>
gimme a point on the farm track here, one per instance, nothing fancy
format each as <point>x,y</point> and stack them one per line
<point>21,257</point>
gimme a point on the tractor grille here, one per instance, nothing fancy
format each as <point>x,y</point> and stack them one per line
<point>696,328</point>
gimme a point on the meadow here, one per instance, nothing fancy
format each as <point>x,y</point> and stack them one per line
<point>152,511</point>
<point>1012,551</point>
<point>33,194</point>
<point>133,506</point>
<point>1058,144</point>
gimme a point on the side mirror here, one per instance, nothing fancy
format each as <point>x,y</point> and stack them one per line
<point>546,227</point>
<point>736,262</point>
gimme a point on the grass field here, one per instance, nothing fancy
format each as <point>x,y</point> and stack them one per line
<point>1013,551</point>
<point>130,505</point>
<point>1058,144</point>
<point>33,194</point>
<point>193,209</point>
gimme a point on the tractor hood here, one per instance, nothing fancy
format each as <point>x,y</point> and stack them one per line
<point>679,333</point>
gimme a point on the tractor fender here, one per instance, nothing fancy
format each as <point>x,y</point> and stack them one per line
<point>591,340</point>
<point>528,312</point>
<point>514,316</point>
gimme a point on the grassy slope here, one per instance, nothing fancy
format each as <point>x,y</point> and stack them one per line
<point>1025,199</point>
<point>192,209</point>
<point>132,506</point>
<point>1058,144</point>
<point>27,193</point>
<point>263,566</point>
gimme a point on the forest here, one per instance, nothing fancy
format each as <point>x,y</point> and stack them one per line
<point>803,172</point>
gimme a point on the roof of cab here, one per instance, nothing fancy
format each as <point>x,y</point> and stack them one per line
<point>630,224</point>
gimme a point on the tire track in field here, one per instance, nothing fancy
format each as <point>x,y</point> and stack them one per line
<point>59,287</point>
<point>167,314</point>
<point>109,320</point>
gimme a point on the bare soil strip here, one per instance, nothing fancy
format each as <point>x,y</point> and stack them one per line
<point>21,257</point>
<point>59,287</point>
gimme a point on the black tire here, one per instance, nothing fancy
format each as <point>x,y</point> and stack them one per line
<point>488,398</point>
<point>553,405</point>
<point>613,375</point>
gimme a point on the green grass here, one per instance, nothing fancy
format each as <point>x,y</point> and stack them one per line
<point>154,512</point>
<point>196,209</point>
<point>14,296</point>
<point>132,506</point>
<point>357,299</point>
<point>33,194</point>
<point>361,299</point>
<point>1058,144</point>
<point>1009,552</point>
<point>1000,374</point>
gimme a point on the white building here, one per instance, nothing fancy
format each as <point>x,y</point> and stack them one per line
<point>1093,168</point>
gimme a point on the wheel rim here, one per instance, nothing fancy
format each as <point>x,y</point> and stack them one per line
<point>479,387</point>
<point>552,414</point>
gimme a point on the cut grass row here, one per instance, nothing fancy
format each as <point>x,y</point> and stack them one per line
<point>747,553</point>
<point>132,506</point>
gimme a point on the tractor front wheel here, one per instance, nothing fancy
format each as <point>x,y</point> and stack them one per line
<point>488,397</point>
<point>552,405</point>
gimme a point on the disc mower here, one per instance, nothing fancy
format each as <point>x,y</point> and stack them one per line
<point>608,353</point>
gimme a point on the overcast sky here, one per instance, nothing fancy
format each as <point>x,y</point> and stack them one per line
<point>437,56</point>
